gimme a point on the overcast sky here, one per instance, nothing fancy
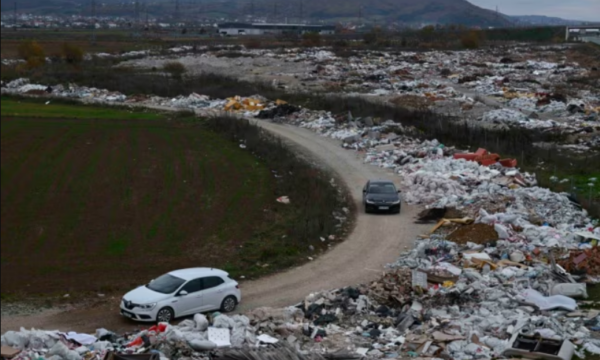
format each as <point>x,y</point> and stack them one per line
<point>588,10</point>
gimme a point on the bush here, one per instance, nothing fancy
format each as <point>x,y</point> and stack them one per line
<point>312,39</point>
<point>341,44</point>
<point>314,199</point>
<point>72,54</point>
<point>252,44</point>
<point>32,53</point>
<point>471,40</point>
<point>175,68</point>
<point>372,37</point>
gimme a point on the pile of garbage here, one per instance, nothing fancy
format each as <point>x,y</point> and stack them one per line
<point>440,300</point>
<point>469,84</point>
<point>500,279</point>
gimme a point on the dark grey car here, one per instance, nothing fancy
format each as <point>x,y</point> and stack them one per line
<point>381,196</point>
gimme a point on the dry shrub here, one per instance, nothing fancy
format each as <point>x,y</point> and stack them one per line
<point>471,40</point>
<point>32,53</point>
<point>72,54</point>
<point>252,44</point>
<point>312,39</point>
<point>175,68</point>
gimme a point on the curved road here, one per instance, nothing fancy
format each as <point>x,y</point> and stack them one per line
<point>375,242</point>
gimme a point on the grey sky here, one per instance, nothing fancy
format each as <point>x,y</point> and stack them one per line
<point>588,10</point>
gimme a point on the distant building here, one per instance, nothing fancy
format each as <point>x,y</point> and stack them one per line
<point>234,29</point>
<point>583,33</point>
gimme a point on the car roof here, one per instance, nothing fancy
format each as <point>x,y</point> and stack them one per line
<point>195,273</point>
<point>381,182</point>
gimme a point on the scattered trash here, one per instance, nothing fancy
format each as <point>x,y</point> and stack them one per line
<point>531,347</point>
<point>9,353</point>
<point>284,200</point>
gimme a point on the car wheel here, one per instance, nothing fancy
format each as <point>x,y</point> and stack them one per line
<point>397,211</point>
<point>229,304</point>
<point>165,315</point>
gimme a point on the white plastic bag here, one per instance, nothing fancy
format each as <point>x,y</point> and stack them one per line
<point>201,322</point>
<point>533,297</point>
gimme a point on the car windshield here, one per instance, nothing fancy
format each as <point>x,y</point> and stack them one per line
<point>166,284</point>
<point>382,189</point>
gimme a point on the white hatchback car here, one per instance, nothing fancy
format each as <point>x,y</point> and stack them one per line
<point>182,293</point>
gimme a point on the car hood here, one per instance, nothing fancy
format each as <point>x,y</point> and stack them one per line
<point>383,197</point>
<point>143,296</point>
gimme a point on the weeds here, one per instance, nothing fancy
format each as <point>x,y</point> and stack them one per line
<point>314,199</point>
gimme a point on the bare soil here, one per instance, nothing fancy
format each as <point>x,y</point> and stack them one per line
<point>94,207</point>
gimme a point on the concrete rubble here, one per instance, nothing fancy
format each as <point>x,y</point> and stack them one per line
<point>519,266</point>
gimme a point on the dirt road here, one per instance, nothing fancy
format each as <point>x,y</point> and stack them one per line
<point>376,241</point>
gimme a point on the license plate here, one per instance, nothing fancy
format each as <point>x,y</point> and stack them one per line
<point>384,208</point>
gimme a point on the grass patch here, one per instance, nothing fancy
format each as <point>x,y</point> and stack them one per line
<point>593,297</point>
<point>81,196</point>
<point>35,109</point>
<point>117,246</point>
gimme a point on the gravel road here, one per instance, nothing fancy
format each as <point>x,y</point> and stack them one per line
<point>375,241</point>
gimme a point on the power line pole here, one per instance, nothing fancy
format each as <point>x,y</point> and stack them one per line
<point>146,11</point>
<point>93,22</point>
<point>360,14</point>
<point>15,16</point>
<point>497,13</point>
<point>136,13</point>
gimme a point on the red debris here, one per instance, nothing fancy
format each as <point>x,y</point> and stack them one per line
<point>587,261</point>
<point>483,157</point>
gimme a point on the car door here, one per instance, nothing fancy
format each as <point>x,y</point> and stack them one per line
<point>191,303</point>
<point>213,292</point>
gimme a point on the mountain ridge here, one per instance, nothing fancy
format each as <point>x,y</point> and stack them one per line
<point>387,11</point>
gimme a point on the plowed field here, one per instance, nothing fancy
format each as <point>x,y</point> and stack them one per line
<point>101,205</point>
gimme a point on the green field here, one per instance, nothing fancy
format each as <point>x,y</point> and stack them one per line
<point>13,107</point>
<point>99,200</point>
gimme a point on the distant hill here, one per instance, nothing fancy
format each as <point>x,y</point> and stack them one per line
<point>406,11</point>
<point>403,11</point>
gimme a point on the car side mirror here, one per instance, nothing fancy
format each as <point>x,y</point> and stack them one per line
<point>183,293</point>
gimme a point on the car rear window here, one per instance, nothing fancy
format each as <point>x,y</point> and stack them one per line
<point>166,284</point>
<point>212,282</point>
<point>382,189</point>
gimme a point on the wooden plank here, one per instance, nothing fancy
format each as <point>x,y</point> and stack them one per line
<point>9,353</point>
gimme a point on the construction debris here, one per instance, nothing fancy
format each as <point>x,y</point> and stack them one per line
<point>477,234</point>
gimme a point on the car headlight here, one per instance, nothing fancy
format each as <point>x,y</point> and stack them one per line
<point>396,202</point>
<point>148,306</point>
<point>370,201</point>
